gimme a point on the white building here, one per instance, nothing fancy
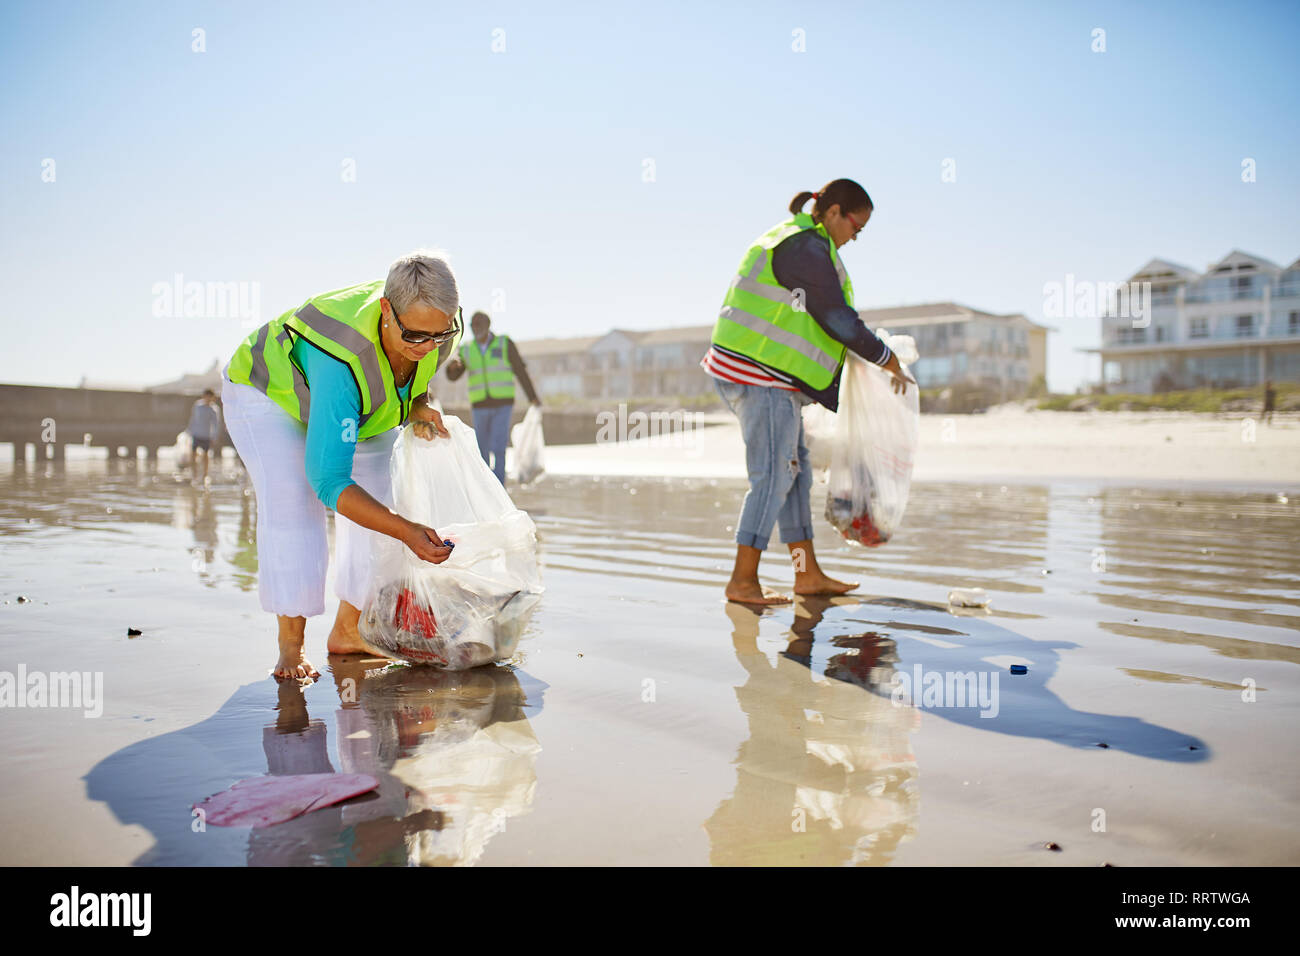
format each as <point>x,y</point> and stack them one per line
<point>1235,325</point>
<point>960,346</point>
<point>622,363</point>
<point>999,354</point>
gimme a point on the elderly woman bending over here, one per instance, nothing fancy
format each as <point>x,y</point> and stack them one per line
<point>313,402</point>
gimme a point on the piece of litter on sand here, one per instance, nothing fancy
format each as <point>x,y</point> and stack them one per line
<point>1019,669</point>
<point>133,632</point>
<point>264,801</point>
<point>968,597</point>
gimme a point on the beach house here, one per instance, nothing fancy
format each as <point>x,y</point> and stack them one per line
<point>1235,325</point>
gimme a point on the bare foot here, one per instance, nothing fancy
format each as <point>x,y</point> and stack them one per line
<point>293,664</point>
<point>818,583</point>
<point>344,637</point>
<point>751,592</point>
<point>347,640</point>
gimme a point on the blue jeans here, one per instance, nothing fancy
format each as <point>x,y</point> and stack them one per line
<point>492,427</point>
<point>780,477</point>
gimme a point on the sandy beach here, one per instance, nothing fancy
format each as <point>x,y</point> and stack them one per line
<point>1009,442</point>
<point>728,736</point>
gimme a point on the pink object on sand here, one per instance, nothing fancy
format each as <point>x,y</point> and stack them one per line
<point>263,801</point>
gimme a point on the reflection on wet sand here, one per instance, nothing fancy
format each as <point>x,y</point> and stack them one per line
<point>454,753</point>
<point>1226,646</point>
<point>827,776</point>
<point>1137,612</point>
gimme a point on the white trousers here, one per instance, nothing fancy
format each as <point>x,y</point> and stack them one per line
<point>292,541</point>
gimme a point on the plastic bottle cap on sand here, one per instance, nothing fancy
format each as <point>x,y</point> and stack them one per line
<point>1019,669</point>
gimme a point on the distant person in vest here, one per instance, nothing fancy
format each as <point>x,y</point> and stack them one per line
<point>313,400</point>
<point>204,429</point>
<point>778,344</point>
<point>493,363</point>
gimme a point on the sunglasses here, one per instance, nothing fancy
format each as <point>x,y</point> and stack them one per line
<point>856,228</point>
<point>420,338</point>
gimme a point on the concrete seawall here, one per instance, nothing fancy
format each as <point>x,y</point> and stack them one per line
<point>54,417</point>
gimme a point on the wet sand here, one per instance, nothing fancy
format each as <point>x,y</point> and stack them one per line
<point>647,721</point>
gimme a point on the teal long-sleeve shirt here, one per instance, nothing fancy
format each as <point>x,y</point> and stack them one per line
<point>334,399</point>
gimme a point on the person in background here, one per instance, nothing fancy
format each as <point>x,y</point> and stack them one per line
<point>493,364</point>
<point>1270,400</point>
<point>779,343</point>
<point>204,429</point>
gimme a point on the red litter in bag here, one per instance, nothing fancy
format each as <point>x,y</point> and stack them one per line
<point>413,617</point>
<point>861,530</point>
<point>873,447</point>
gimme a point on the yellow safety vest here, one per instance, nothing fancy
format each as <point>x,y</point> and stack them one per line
<point>344,324</point>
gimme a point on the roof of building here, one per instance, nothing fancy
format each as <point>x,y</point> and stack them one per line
<point>1162,269</point>
<point>556,346</point>
<point>1234,261</point>
<point>1231,263</point>
<point>897,315</point>
<point>934,313</point>
<point>922,314</point>
<point>630,334</point>
<point>192,383</point>
<point>680,333</point>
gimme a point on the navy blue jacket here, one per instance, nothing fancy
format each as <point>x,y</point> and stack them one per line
<point>803,261</point>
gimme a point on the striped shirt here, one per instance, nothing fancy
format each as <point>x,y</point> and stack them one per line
<point>804,261</point>
<point>733,368</point>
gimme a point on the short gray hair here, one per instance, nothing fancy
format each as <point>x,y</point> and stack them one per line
<point>423,276</point>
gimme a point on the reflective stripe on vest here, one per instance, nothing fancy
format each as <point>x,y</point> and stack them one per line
<point>259,375</point>
<point>489,374</point>
<point>373,396</point>
<point>761,319</point>
<point>351,336</point>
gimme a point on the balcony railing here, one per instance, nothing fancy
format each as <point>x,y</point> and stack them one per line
<point>1229,333</point>
<point>1223,295</point>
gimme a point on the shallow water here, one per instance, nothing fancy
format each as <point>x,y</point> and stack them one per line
<point>648,721</point>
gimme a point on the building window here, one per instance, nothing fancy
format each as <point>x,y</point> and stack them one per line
<point>1166,295</point>
<point>1245,326</point>
<point>1198,328</point>
<point>1293,324</point>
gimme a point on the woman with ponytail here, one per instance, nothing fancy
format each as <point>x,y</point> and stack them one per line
<point>779,343</point>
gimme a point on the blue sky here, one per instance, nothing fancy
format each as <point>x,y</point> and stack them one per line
<point>527,165</point>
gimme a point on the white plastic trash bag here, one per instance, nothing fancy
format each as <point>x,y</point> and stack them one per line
<point>473,608</point>
<point>876,433</point>
<point>529,443</point>
<point>818,433</point>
